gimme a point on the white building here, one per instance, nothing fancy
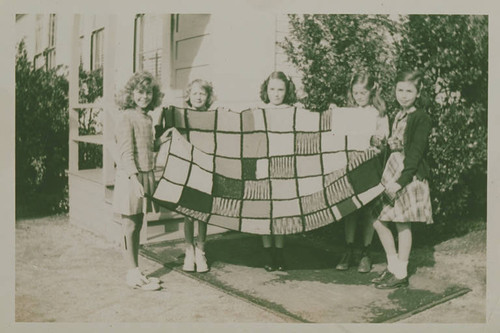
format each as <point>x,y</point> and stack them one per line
<point>235,52</point>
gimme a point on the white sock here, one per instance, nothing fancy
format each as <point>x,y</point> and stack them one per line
<point>392,263</point>
<point>401,270</point>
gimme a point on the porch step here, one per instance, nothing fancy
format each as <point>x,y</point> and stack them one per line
<point>169,229</point>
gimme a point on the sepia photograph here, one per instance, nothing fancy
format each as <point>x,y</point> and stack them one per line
<point>250,163</point>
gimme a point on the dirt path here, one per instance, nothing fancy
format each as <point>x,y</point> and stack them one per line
<point>65,274</point>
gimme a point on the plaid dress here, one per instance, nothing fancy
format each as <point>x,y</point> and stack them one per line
<point>413,202</point>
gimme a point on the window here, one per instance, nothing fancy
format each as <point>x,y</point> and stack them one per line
<point>97,49</point>
<point>45,49</point>
<point>148,44</point>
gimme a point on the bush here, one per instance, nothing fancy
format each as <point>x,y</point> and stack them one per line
<point>328,49</point>
<point>453,52</point>
<point>41,138</point>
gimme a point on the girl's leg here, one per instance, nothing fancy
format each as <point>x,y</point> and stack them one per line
<point>350,223</point>
<point>131,227</point>
<point>404,248</point>
<point>365,264</point>
<point>201,260</point>
<point>202,235</point>
<point>279,244</point>
<point>189,259</point>
<point>387,240</point>
<point>267,243</point>
<point>188,231</point>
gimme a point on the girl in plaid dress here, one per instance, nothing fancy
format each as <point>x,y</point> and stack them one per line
<point>405,180</point>
<point>134,175</point>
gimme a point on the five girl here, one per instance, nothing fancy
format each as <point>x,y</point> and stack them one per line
<point>405,179</point>
<point>364,93</point>
<point>135,163</point>
<point>277,91</point>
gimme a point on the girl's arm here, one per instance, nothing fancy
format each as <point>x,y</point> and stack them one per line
<point>415,154</point>
<point>125,145</point>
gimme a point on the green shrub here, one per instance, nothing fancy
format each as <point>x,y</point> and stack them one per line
<point>41,138</point>
<point>452,50</point>
<point>328,49</point>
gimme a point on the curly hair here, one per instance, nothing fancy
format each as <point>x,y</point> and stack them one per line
<point>205,85</point>
<point>369,83</point>
<point>142,80</point>
<point>290,96</point>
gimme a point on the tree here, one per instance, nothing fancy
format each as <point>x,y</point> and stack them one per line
<point>41,137</point>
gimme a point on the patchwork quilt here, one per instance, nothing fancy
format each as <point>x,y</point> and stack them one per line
<point>264,171</point>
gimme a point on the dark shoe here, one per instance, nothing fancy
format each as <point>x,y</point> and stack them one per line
<point>345,261</point>
<point>270,262</point>
<point>280,260</point>
<point>392,282</point>
<point>384,275</point>
<point>365,265</point>
<point>269,267</point>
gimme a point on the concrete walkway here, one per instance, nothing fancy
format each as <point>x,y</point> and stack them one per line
<point>65,274</point>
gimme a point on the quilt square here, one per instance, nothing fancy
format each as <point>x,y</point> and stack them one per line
<point>326,120</point>
<point>331,142</point>
<point>279,119</point>
<point>228,145</point>
<point>306,121</point>
<point>227,187</point>
<point>204,141</point>
<point>283,208</point>
<point>174,117</point>
<point>200,179</point>
<point>228,121</point>
<point>256,226</point>
<point>334,161</point>
<point>176,170</point>
<point>307,143</point>
<point>204,120</point>
<point>339,190</point>
<point>287,225</point>
<point>256,208</point>
<point>318,219</point>
<point>262,168</point>
<point>310,185</point>
<point>225,222</point>
<point>196,200</point>
<point>366,175</point>
<point>308,165</point>
<point>257,190</point>
<point>346,207</point>
<point>254,145</point>
<point>253,120</point>
<point>204,160</point>
<point>282,167</point>
<point>249,168</point>
<point>313,203</point>
<point>167,191</point>
<point>228,167</point>
<point>180,147</point>
<point>226,207</point>
<point>195,214</point>
<point>281,144</point>
<point>283,189</point>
